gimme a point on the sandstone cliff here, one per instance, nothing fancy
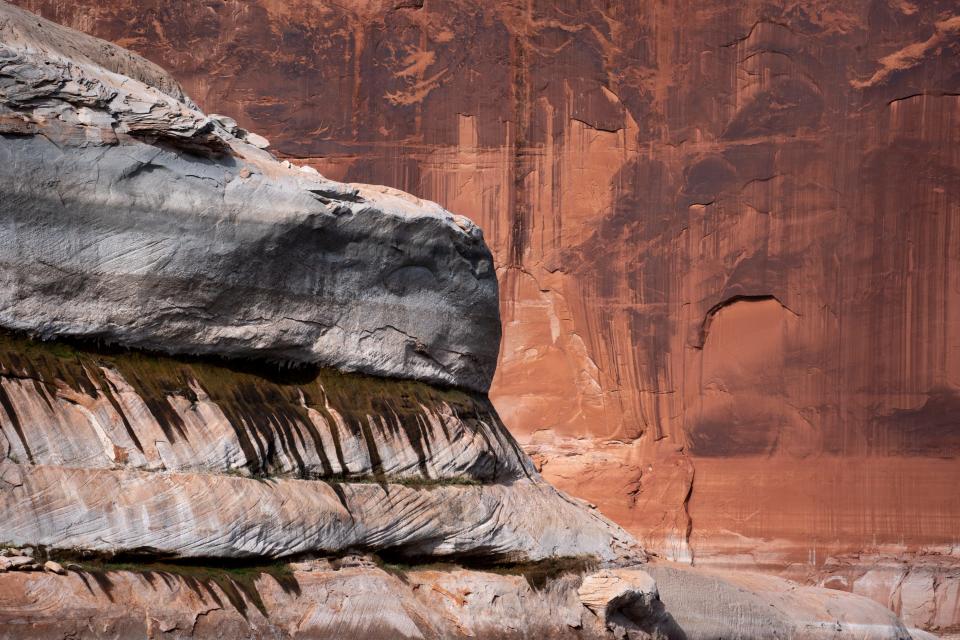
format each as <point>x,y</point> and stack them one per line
<point>234,394</point>
<point>726,234</point>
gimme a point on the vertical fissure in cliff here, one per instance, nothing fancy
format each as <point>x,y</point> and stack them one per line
<point>520,165</point>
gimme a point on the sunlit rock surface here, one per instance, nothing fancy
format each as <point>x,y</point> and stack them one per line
<point>735,604</point>
<point>133,226</point>
<point>130,217</point>
<point>726,233</point>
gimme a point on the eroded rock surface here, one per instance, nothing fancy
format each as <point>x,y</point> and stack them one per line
<point>133,221</point>
<point>351,597</point>
<point>74,407</point>
<point>726,232</point>
<point>130,217</point>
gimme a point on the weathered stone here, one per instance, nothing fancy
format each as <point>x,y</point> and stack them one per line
<point>367,602</point>
<point>612,587</point>
<point>15,563</point>
<point>229,124</point>
<point>126,221</point>
<point>206,515</point>
<point>708,604</point>
<point>54,567</point>
<point>78,408</point>
<point>256,140</point>
<point>624,599</point>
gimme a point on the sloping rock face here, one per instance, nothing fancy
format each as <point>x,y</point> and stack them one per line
<point>700,603</point>
<point>220,250</point>
<point>726,233</point>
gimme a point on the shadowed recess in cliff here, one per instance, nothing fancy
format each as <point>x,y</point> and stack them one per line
<point>304,422</point>
<point>235,580</point>
<point>728,302</point>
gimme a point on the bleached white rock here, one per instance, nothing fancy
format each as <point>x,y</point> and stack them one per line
<point>206,515</point>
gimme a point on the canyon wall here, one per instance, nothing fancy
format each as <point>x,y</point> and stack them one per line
<point>136,226</point>
<point>727,237</point>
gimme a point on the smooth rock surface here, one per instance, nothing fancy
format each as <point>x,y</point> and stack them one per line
<point>128,216</point>
<point>923,589</point>
<point>710,604</point>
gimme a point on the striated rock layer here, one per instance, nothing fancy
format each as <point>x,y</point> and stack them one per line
<point>131,453</point>
<point>727,234</point>
<point>75,407</point>
<point>354,598</point>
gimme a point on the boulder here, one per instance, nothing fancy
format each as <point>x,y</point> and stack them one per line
<point>54,567</point>
<point>624,599</point>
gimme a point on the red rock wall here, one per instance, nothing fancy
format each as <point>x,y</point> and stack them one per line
<point>728,233</point>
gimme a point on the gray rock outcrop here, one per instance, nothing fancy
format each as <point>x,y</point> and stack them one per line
<point>130,217</point>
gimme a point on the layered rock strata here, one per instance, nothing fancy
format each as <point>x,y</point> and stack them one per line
<point>75,407</point>
<point>217,361</point>
<point>726,233</point>
<point>352,597</point>
<point>132,452</point>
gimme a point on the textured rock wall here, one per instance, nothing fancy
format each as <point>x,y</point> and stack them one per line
<point>132,220</point>
<point>727,233</point>
<point>78,408</point>
<point>126,452</point>
<point>351,597</point>
<point>132,453</point>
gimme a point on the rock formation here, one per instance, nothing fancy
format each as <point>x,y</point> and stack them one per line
<point>353,598</point>
<point>131,218</point>
<point>250,259</point>
<point>239,399</point>
<point>726,235</point>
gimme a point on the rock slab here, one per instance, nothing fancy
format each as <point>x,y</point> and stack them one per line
<point>130,217</point>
